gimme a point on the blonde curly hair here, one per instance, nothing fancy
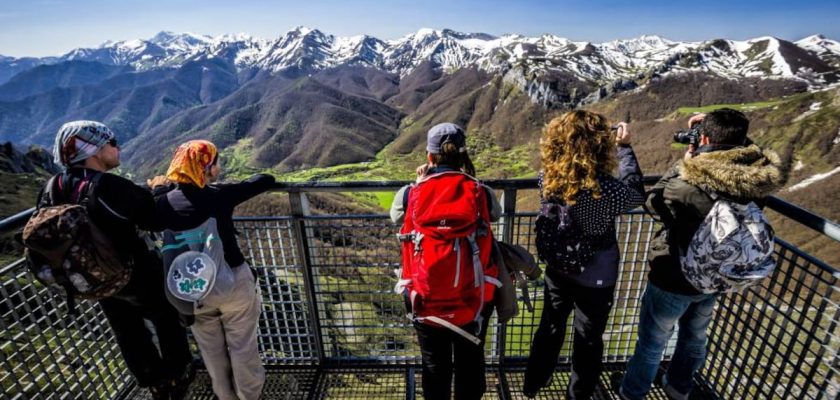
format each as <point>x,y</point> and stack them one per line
<point>575,147</point>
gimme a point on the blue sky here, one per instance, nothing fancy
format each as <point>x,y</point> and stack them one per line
<point>53,27</point>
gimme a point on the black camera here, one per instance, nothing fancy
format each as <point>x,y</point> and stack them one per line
<point>690,137</point>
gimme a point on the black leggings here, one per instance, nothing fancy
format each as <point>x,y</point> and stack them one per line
<point>437,347</point>
<point>592,308</point>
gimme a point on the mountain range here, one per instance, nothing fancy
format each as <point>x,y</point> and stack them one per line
<point>304,50</point>
<point>309,105</point>
<point>288,94</point>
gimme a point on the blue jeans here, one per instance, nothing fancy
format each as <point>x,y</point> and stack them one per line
<point>661,310</point>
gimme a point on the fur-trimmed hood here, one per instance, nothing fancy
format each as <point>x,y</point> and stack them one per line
<point>743,172</point>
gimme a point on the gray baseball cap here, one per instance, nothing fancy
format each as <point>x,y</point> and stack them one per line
<point>443,133</point>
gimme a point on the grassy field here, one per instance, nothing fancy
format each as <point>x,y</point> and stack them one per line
<point>740,107</point>
<point>491,161</point>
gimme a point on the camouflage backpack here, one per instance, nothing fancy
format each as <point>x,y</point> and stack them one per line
<point>66,250</point>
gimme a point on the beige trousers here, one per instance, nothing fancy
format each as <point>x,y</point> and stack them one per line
<point>226,332</point>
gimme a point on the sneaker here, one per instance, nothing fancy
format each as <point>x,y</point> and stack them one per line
<point>672,392</point>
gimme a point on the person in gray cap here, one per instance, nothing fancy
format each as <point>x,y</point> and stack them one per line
<point>448,291</point>
<point>119,208</point>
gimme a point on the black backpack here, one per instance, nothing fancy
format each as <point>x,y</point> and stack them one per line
<point>561,243</point>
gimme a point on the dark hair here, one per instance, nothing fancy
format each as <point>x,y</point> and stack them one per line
<point>726,126</point>
<point>449,155</point>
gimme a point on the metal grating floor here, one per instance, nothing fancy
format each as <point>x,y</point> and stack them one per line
<point>392,383</point>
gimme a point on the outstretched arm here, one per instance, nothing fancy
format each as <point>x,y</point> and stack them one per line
<point>234,194</point>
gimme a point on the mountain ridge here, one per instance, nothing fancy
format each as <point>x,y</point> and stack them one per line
<point>367,95</point>
<point>305,49</point>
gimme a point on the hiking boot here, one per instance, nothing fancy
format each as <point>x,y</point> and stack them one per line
<point>531,393</point>
<point>160,392</point>
<point>179,387</point>
<point>615,385</point>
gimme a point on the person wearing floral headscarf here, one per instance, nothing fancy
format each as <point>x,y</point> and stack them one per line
<point>225,328</point>
<point>192,162</point>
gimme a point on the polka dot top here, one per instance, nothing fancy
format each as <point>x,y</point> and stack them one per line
<point>596,217</point>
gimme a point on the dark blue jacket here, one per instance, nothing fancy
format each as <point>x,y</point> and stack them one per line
<point>596,217</point>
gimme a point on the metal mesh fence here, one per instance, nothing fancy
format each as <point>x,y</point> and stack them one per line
<point>327,288</point>
<point>286,335</point>
<point>353,263</point>
<point>353,266</point>
<point>781,339</point>
<point>49,354</point>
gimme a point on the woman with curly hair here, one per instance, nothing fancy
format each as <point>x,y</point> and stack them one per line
<point>578,151</point>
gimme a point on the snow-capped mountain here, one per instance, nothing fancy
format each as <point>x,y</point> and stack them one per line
<point>759,57</point>
<point>819,44</point>
<point>814,59</point>
<point>825,48</point>
<point>163,50</point>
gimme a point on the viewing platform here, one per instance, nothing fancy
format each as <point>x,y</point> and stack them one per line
<point>332,327</point>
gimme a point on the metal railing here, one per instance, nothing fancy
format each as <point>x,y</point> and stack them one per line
<point>332,326</point>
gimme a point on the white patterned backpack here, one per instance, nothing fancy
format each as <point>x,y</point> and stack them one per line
<point>731,250</point>
<point>195,266</point>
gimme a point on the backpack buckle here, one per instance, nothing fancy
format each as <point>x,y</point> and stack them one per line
<point>414,237</point>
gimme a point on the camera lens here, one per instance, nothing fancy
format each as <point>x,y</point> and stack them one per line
<point>691,136</point>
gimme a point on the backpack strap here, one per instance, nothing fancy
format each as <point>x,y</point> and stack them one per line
<point>48,196</point>
<point>454,328</point>
<point>405,198</point>
<point>85,193</point>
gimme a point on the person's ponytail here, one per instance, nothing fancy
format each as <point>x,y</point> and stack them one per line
<point>449,155</point>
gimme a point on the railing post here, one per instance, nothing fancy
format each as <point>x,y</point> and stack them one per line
<point>508,214</point>
<point>300,210</point>
<point>506,235</point>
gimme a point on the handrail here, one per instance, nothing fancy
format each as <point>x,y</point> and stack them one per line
<point>806,217</point>
<point>374,186</point>
<point>15,221</point>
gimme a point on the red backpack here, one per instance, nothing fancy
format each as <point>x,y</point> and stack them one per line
<point>447,273</point>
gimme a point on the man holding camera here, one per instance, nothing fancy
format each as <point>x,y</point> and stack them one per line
<point>721,163</point>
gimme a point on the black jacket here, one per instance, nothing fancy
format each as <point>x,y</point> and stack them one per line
<point>681,201</point>
<point>216,201</point>
<point>596,217</point>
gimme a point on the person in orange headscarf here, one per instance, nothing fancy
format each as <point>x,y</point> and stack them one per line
<point>225,325</point>
<point>192,163</point>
